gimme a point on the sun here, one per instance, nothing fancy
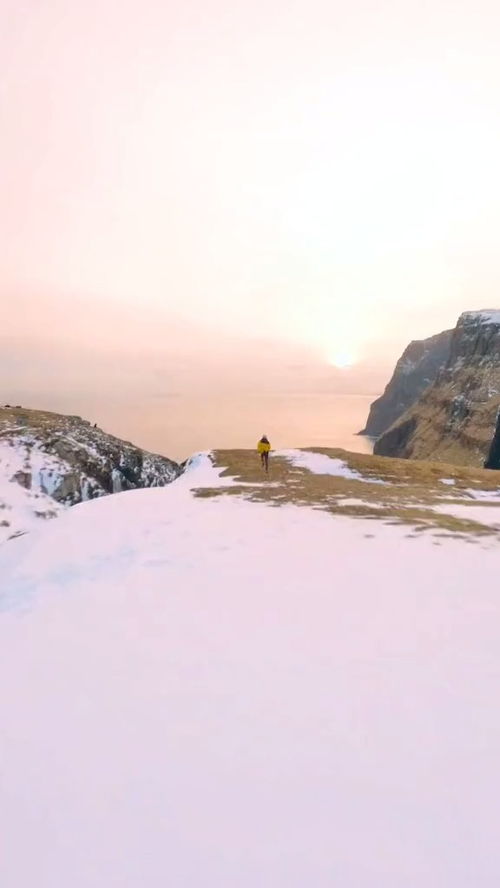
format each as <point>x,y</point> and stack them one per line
<point>342,359</point>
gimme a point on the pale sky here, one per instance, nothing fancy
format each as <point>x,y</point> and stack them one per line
<point>318,175</point>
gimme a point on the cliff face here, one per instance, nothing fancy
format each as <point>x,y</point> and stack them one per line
<point>416,369</point>
<point>49,461</point>
<point>455,419</point>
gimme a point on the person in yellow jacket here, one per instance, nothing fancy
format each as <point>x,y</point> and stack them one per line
<point>263,448</point>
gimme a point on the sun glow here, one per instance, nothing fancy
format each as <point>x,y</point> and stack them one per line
<point>342,359</point>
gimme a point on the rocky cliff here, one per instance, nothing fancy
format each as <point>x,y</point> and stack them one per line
<point>49,461</point>
<point>455,419</point>
<point>416,369</point>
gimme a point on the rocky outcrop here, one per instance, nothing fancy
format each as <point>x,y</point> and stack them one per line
<point>455,419</point>
<point>416,369</point>
<point>49,461</point>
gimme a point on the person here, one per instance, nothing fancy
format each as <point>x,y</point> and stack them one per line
<point>263,448</point>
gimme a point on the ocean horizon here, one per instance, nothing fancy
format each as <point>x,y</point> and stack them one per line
<point>178,426</point>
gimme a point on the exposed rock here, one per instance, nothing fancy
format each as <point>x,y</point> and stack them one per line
<point>416,369</point>
<point>49,461</point>
<point>23,478</point>
<point>455,419</point>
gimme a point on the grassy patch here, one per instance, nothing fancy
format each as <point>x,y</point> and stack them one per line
<point>410,492</point>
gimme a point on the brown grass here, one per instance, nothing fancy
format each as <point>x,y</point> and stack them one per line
<point>411,490</point>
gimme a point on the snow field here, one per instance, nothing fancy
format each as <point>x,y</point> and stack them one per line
<point>215,693</point>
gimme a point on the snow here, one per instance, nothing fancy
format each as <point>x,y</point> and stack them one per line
<point>91,449</point>
<point>487,515</point>
<point>449,481</point>
<point>46,471</point>
<point>353,501</point>
<point>485,316</point>
<point>215,693</point>
<point>201,472</point>
<point>321,464</point>
<point>407,366</point>
<point>116,478</point>
<point>20,509</point>
<point>475,494</point>
<point>25,452</point>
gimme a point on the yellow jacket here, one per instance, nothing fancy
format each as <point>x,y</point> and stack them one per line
<point>262,447</point>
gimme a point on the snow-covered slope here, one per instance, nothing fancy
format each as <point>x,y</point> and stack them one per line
<point>209,692</point>
<point>48,461</point>
<point>21,508</point>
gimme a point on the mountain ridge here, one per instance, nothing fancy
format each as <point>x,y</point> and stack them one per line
<point>49,461</point>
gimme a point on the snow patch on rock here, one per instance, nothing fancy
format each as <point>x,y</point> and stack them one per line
<point>49,461</point>
<point>485,316</point>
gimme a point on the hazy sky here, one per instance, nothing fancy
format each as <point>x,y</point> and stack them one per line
<point>317,173</point>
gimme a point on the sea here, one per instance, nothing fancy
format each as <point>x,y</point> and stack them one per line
<point>177,427</point>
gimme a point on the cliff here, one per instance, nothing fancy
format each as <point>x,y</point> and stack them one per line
<point>416,369</point>
<point>455,419</point>
<point>49,461</point>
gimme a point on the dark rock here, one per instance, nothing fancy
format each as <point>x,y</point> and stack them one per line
<point>456,418</point>
<point>76,461</point>
<point>416,369</point>
<point>23,478</point>
<point>493,459</point>
<point>395,438</point>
